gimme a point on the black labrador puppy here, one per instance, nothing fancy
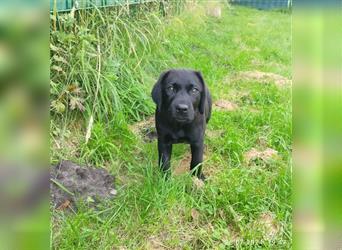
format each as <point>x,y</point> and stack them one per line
<point>183,110</point>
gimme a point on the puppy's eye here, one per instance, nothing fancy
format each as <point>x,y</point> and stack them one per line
<point>194,90</point>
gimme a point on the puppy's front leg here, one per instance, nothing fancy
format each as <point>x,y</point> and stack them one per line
<point>164,151</point>
<point>197,159</point>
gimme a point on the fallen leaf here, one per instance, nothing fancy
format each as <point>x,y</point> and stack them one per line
<point>64,205</point>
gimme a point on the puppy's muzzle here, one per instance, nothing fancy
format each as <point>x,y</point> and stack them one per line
<point>183,113</point>
<point>182,109</point>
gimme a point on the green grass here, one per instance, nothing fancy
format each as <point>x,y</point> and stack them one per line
<point>150,213</point>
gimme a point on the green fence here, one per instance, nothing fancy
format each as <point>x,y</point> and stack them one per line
<point>66,5</point>
<point>264,4</point>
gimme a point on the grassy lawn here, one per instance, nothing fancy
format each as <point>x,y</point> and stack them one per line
<point>246,202</point>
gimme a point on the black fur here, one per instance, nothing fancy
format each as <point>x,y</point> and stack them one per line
<point>183,110</point>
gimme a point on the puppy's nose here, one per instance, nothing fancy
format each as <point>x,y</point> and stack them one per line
<point>182,108</point>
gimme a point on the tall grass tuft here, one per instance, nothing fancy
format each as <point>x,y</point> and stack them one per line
<point>101,59</point>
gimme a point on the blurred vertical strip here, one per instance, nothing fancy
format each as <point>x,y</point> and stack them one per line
<point>317,43</point>
<point>24,107</point>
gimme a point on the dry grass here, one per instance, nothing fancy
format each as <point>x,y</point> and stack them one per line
<point>263,77</point>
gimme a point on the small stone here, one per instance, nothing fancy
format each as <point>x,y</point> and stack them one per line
<point>113,192</point>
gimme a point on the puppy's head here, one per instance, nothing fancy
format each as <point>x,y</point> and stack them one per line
<point>180,93</point>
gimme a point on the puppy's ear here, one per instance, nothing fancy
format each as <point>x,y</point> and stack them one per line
<point>157,90</point>
<point>203,93</point>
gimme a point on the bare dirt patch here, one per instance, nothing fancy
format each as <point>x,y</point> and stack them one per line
<point>154,243</point>
<point>71,183</point>
<point>264,77</point>
<point>145,129</point>
<point>184,165</point>
<point>225,105</point>
<point>198,184</point>
<point>264,155</point>
<point>267,224</point>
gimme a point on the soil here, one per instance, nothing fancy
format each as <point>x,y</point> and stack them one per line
<point>267,224</point>
<point>145,129</point>
<point>264,155</point>
<point>265,77</point>
<point>225,105</point>
<point>184,165</point>
<point>71,183</point>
